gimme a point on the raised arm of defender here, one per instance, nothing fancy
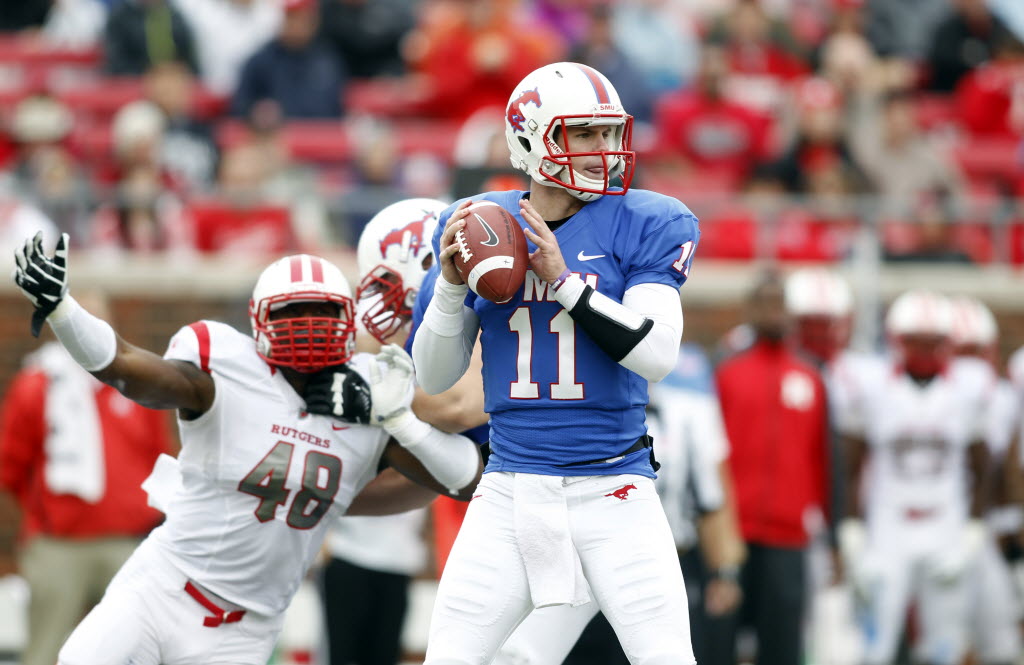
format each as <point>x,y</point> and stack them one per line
<point>139,375</point>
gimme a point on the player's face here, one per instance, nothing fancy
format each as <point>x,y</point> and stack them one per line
<point>924,356</point>
<point>822,336</point>
<point>594,138</point>
<point>301,310</point>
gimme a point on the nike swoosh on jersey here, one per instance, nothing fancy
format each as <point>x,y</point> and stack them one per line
<point>338,429</point>
<point>583,257</point>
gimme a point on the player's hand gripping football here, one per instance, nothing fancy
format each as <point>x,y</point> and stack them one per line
<point>546,261</point>
<point>42,279</point>
<point>391,385</point>
<point>339,392</point>
<point>449,246</point>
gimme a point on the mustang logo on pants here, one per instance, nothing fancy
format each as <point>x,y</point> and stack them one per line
<point>623,492</point>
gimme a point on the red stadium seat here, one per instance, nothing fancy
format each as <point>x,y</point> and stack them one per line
<point>997,159</point>
<point>319,141</point>
<point>936,112</point>
<point>103,98</point>
<point>221,227</point>
<point>729,236</point>
<point>436,137</point>
<point>378,97</point>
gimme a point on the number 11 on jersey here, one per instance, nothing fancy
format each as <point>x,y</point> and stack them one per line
<point>561,325</point>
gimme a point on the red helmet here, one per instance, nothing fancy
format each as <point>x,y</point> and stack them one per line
<point>307,343</point>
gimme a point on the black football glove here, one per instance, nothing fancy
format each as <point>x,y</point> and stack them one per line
<point>339,392</point>
<point>43,280</point>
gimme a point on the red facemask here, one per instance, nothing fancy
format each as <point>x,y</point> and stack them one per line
<point>392,307</point>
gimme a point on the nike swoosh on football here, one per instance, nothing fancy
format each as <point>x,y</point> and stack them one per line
<point>338,429</point>
<point>492,237</point>
<point>583,257</point>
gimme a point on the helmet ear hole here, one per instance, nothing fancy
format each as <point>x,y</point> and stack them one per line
<point>525,142</point>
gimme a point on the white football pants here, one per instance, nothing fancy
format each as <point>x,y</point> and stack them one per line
<point>147,618</point>
<point>628,557</point>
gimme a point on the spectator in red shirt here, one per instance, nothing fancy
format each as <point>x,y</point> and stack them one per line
<point>470,54</point>
<point>73,454</point>
<point>760,55</point>
<point>990,99</point>
<point>775,413</point>
<point>710,133</point>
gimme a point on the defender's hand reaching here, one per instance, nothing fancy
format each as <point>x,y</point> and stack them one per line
<point>43,280</point>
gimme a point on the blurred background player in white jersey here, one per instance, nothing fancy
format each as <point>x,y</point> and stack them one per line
<point>695,489</point>
<point>995,608</point>
<point>243,523</point>
<point>917,476</point>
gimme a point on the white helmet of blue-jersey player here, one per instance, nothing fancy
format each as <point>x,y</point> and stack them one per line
<point>306,343</point>
<point>394,255</point>
<point>561,95</point>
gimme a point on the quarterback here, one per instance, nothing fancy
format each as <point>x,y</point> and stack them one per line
<point>568,496</point>
<point>261,477</point>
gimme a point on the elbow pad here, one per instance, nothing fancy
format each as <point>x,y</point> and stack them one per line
<point>614,328</point>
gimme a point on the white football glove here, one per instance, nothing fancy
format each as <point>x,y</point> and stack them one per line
<point>391,386</point>
<point>43,280</point>
<point>950,565</point>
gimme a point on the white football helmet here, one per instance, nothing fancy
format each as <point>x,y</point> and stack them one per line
<point>306,344</point>
<point>394,254</point>
<point>817,292</point>
<point>821,303</point>
<point>920,324</point>
<point>920,312</point>
<point>567,94</point>
<point>975,331</point>
<point>973,323</point>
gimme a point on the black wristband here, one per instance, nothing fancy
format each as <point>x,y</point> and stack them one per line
<point>727,574</point>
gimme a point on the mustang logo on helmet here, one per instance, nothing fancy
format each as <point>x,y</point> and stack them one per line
<point>397,236</point>
<point>514,115</point>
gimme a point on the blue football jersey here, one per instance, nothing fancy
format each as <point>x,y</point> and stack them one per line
<point>555,399</point>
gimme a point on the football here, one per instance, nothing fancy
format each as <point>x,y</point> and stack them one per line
<point>492,257</point>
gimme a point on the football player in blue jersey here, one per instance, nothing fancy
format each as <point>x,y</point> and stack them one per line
<point>567,497</point>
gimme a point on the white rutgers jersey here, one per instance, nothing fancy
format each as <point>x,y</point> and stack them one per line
<point>917,437</point>
<point>262,479</point>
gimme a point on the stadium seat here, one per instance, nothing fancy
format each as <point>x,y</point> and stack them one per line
<point>936,112</point>
<point>318,141</point>
<point>998,159</point>
<point>101,99</point>
<point>221,227</point>
<point>436,137</point>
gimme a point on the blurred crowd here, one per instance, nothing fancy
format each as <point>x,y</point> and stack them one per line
<point>265,125</point>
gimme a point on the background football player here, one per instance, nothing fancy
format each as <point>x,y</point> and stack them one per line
<point>917,478</point>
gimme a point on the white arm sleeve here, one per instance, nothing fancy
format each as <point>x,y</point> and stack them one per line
<point>443,345</point>
<point>656,354</point>
<point>451,458</point>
